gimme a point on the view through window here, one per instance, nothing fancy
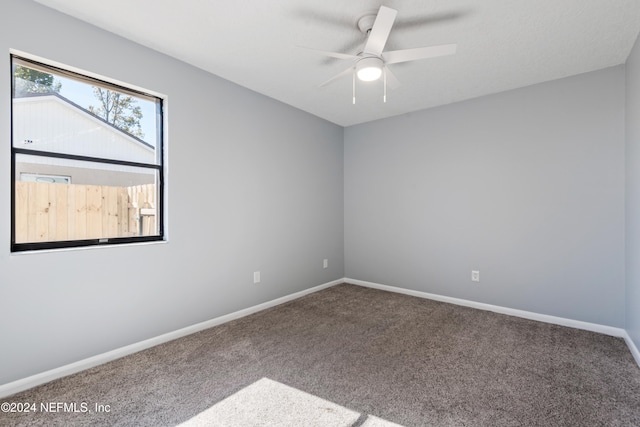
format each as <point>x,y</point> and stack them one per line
<point>86,160</point>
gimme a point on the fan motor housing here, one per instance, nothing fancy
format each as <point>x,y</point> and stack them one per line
<point>365,22</point>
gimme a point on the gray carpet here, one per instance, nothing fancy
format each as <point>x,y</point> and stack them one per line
<point>386,356</point>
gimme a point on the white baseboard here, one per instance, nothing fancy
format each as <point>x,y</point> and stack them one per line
<point>578,324</point>
<point>632,347</point>
<point>72,368</point>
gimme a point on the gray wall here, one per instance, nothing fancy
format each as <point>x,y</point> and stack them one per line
<point>526,186</point>
<point>253,184</point>
<point>633,195</point>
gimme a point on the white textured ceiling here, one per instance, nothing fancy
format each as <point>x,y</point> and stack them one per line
<point>502,44</point>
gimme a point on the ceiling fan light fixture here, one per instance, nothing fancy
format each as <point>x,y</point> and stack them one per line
<point>369,69</point>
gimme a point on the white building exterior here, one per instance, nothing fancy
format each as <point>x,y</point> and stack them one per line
<point>52,123</point>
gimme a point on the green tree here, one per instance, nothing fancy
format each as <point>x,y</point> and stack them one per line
<point>28,80</point>
<point>119,110</point>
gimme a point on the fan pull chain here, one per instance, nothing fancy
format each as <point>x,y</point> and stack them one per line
<point>354,86</point>
<point>384,76</point>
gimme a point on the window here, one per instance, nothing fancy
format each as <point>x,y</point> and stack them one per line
<point>86,160</point>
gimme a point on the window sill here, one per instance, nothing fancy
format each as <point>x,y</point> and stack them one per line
<point>85,248</point>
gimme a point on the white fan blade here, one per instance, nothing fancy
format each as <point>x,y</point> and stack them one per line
<point>337,76</point>
<point>380,31</point>
<point>396,56</point>
<point>392,81</point>
<point>331,54</point>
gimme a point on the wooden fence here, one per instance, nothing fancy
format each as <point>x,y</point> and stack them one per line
<point>52,212</point>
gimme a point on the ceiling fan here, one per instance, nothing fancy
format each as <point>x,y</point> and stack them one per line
<point>372,62</point>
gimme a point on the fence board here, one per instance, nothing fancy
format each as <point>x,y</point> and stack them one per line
<point>71,212</point>
<point>94,214</point>
<point>113,229</point>
<point>62,214</point>
<point>80,210</point>
<point>123,213</point>
<point>21,211</point>
<point>42,212</point>
<point>52,213</point>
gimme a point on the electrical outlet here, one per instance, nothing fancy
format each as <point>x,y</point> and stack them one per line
<point>256,277</point>
<point>475,276</point>
<point>325,263</point>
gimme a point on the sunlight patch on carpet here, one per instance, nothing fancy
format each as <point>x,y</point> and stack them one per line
<point>378,422</point>
<point>270,403</point>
